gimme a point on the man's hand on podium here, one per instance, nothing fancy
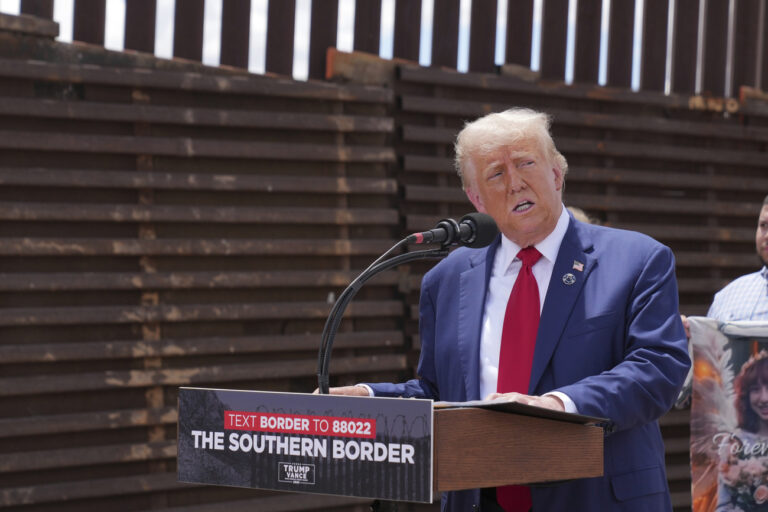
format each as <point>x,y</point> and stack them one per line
<point>545,402</point>
<point>347,390</point>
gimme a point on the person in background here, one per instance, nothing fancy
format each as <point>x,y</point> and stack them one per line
<point>581,215</point>
<point>555,313</point>
<point>746,297</point>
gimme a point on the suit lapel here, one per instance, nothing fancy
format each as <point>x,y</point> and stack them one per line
<point>561,297</point>
<point>473,284</point>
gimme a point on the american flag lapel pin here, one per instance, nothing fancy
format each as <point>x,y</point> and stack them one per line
<point>578,266</point>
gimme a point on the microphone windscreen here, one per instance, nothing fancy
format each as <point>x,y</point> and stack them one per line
<point>485,229</point>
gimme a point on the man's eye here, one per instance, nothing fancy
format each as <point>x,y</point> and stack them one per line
<point>526,163</point>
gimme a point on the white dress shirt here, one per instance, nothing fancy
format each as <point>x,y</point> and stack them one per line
<point>745,298</point>
<point>506,267</point>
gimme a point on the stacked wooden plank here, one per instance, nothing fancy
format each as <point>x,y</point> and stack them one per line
<point>163,229</point>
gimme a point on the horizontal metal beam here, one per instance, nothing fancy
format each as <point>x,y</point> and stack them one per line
<point>237,84</point>
<point>120,213</point>
<point>191,181</point>
<point>186,147</point>
<point>180,348</point>
<point>197,375</point>
<point>187,247</point>
<point>193,116</point>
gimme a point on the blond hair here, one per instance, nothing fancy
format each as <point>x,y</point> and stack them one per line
<point>512,127</point>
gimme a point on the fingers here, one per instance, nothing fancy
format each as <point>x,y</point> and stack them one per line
<point>546,402</point>
<point>345,390</point>
<point>349,391</point>
<point>509,397</point>
<point>686,325</point>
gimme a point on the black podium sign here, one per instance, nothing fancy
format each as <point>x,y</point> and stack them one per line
<point>365,447</point>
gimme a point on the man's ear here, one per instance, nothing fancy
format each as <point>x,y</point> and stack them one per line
<point>558,177</point>
<point>474,198</point>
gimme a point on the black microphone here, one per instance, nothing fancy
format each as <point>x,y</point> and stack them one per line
<point>474,230</point>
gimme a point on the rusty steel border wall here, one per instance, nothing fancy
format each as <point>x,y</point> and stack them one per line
<point>167,224</point>
<point>162,225</point>
<point>726,63</point>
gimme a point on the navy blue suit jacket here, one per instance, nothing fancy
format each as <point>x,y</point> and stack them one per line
<point>612,341</point>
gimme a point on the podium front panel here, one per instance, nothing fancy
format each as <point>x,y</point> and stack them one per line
<point>376,448</point>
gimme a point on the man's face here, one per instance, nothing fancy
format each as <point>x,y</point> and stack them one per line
<point>761,235</point>
<point>521,189</point>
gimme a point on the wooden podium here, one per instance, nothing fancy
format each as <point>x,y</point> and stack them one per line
<point>391,449</point>
<point>478,447</point>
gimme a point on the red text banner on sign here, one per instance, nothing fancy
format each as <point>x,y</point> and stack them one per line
<point>300,424</point>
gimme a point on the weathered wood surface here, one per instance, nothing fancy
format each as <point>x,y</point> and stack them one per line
<point>162,229</point>
<point>193,116</point>
<point>749,64</point>
<point>69,178</point>
<point>133,349</point>
<point>222,84</point>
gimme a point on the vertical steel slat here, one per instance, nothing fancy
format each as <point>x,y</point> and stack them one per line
<point>684,46</point>
<point>482,36</point>
<point>621,29</point>
<point>140,25</point>
<point>519,32</point>
<point>188,29</point>
<point>367,25</point>
<point>586,66</point>
<point>281,22</point>
<point>554,33</point>
<point>407,30</point>
<point>235,31</point>
<point>445,33</point>
<point>323,27</point>
<point>654,56</point>
<point>88,21</point>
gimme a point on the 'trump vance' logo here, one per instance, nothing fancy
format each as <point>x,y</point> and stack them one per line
<point>295,473</point>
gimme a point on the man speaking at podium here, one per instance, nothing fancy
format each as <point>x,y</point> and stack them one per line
<point>555,313</point>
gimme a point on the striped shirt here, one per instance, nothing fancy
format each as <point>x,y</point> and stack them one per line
<point>745,298</point>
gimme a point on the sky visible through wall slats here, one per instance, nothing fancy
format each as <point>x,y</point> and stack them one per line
<point>115,21</point>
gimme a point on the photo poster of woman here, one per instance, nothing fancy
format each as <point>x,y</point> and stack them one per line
<point>729,416</point>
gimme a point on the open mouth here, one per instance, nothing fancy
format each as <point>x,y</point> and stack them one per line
<point>523,206</point>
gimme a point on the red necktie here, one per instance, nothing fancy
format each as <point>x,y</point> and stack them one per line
<point>518,340</point>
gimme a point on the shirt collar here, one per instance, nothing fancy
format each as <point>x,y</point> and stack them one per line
<point>763,272</point>
<point>549,247</point>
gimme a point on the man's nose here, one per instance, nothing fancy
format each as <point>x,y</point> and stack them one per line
<point>513,179</point>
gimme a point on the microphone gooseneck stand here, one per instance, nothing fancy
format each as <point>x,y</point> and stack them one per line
<point>475,230</point>
<point>337,312</point>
